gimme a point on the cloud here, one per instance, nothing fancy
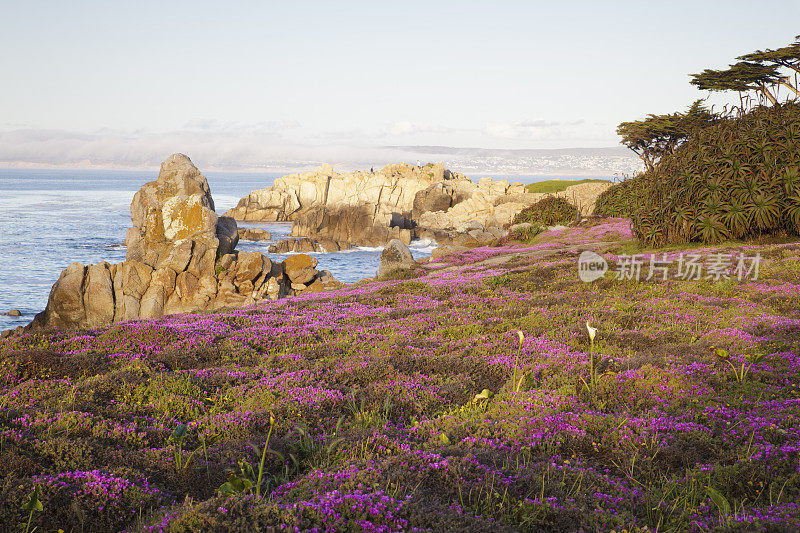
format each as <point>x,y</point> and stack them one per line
<point>274,127</point>
<point>547,123</point>
<point>539,129</point>
<point>228,148</point>
<point>415,128</point>
<point>215,145</point>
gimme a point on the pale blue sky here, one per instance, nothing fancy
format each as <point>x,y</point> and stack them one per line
<point>501,74</point>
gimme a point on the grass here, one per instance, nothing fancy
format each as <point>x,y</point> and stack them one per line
<point>554,186</point>
<point>453,401</point>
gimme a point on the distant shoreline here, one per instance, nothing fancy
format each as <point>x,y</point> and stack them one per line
<point>533,177</point>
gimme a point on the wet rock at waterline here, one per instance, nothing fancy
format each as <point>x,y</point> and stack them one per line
<point>254,234</point>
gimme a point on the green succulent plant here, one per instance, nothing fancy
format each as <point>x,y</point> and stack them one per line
<point>738,178</point>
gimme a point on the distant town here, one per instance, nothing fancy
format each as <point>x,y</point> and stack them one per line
<point>607,162</point>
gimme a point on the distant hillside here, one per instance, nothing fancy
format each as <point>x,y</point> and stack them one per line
<point>614,151</point>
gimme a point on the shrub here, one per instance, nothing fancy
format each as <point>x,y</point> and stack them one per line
<point>737,179</point>
<point>549,211</point>
<point>618,201</point>
<point>527,233</point>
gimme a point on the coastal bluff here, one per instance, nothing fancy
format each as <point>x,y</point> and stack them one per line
<point>400,201</point>
<point>180,258</point>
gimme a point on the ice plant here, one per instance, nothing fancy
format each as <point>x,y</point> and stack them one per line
<point>549,458</point>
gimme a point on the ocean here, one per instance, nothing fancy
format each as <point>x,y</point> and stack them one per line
<point>51,218</point>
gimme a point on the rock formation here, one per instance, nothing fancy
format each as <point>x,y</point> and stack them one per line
<point>361,208</point>
<point>302,275</point>
<point>398,202</point>
<point>254,234</point>
<point>304,244</point>
<point>395,256</point>
<point>181,258</point>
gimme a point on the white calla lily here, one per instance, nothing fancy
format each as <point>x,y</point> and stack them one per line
<point>592,331</point>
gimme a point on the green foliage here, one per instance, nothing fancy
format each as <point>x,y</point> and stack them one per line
<point>737,179</point>
<point>760,71</point>
<point>240,481</point>
<point>176,439</point>
<point>787,56</point>
<point>619,200</point>
<point>554,186</point>
<point>741,368</point>
<point>370,418</point>
<point>659,135</point>
<point>33,504</point>
<point>245,480</point>
<point>548,211</point>
<point>527,234</point>
<point>741,77</point>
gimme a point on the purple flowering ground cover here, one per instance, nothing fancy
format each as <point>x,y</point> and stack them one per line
<point>411,404</point>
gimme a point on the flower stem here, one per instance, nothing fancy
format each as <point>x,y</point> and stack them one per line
<point>263,458</point>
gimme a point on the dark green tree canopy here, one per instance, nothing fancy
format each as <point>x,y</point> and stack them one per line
<point>658,135</point>
<point>757,71</point>
<point>741,77</point>
<point>788,56</point>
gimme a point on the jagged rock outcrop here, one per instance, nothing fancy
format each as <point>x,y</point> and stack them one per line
<point>398,202</point>
<point>447,249</point>
<point>361,208</point>
<point>181,257</point>
<point>352,224</point>
<point>389,190</point>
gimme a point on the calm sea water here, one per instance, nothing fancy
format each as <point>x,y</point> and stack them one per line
<point>51,218</point>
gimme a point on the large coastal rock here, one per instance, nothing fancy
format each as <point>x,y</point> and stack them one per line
<point>181,258</point>
<point>389,190</point>
<point>400,202</point>
<point>361,208</point>
<point>395,256</point>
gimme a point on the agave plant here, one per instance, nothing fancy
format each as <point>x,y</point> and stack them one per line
<point>793,211</point>
<point>711,229</point>
<point>765,210</point>
<point>736,217</point>
<point>791,180</point>
<point>736,178</point>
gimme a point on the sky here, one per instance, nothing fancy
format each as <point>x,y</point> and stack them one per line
<point>126,82</point>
